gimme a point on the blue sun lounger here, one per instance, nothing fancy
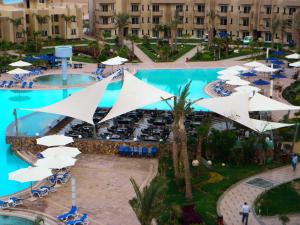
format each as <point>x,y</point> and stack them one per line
<point>10,84</point>
<point>3,84</point>
<point>30,84</point>
<point>4,204</point>
<point>24,84</point>
<point>49,188</point>
<point>70,214</point>
<point>39,193</point>
<point>16,201</point>
<point>80,221</point>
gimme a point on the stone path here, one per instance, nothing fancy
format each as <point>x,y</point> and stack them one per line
<point>188,55</point>
<point>231,201</point>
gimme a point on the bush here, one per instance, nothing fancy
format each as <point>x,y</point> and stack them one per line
<point>292,93</point>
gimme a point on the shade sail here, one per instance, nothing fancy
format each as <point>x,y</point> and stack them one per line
<point>262,126</point>
<point>237,82</point>
<point>247,89</point>
<point>54,140</point>
<point>55,162</point>
<point>254,64</point>
<point>295,64</point>
<point>30,174</point>
<point>61,151</point>
<point>115,61</point>
<point>135,94</point>
<point>80,105</point>
<point>20,63</point>
<point>238,68</point>
<point>228,72</point>
<point>293,56</point>
<point>265,69</point>
<point>18,71</point>
<point>227,77</point>
<point>260,102</point>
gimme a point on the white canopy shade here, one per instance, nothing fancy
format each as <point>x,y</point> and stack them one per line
<point>135,94</point>
<point>238,68</point>
<point>293,56</point>
<point>265,69</point>
<point>262,126</point>
<point>80,105</point>
<point>227,77</point>
<point>56,162</point>
<point>20,63</point>
<point>253,64</point>
<point>54,140</point>
<point>247,89</point>
<point>18,71</point>
<point>237,82</point>
<point>295,64</point>
<point>228,72</point>
<point>61,151</point>
<point>30,174</point>
<point>260,102</point>
<point>115,61</point>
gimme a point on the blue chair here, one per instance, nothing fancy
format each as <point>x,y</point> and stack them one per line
<point>140,151</point>
<point>16,201</point>
<point>30,84</point>
<point>153,151</point>
<point>144,151</point>
<point>49,188</point>
<point>126,150</point>
<point>39,156</point>
<point>135,151</point>
<point>4,204</point>
<point>10,84</point>
<point>131,151</point>
<point>120,150</point>
<point>81,221</point>
<point>39,193</point>
<point>24,84</point>
<point>3,84</point>
<point>68,215</point>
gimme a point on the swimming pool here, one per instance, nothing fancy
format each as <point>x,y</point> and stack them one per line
<point>12,220</point>
<point>56,80</point>
<point>168,80</point>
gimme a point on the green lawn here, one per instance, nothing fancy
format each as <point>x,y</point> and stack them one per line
<point>206,193</point>
<point>84,59</point>
<point>151,52</point>
<point>54,42</point>
<point>281,200</point>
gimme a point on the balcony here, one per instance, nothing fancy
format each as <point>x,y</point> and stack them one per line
<point>135,26</point>
<point>198,26</point>
<point>197,13</point>
<point>100,12</point>
<point>158,13</point>
<point>105,26</point>
<point>135,13</point>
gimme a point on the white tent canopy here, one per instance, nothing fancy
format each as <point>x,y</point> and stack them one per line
<point>247,89</point>
<point>55,162</point>
<point>228,72</point>
<point>20,63</point>
<point>227,77</point>
<point>262,126</point>
<point>253,64</point>
<point>238,68</point>
<point>135,94</point>
<point>30,174</point>
<point>295,64</point>
<point>54,140</point>
<point>265,69</point>
<point>80,105</point>
<point>237,82</point>
<point>293,56</point>
<point>260,102</point>
<point>18,71</point>
<point>115,61</point>
<point>61,151</point>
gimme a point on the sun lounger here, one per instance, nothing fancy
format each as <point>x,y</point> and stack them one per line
<point>39,193</point>
<point>49,188</point>
<point>39,156</point>
<point>80,221</point>
<point>3,84</point>
<point>15,201</point>
<point>30,84</point>
<point>68,215</point>
<point>24,84</point>
<point>4,204</point>
<point>10,84</point>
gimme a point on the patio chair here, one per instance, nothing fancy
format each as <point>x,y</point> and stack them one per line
<point>39,156</point>
<point>49,188</point>
<point>4,204</point>
<point>153,151</point>
<point>3,84</point>
<point>30,84</point>
<point>71,214</point>
<point>14,201</point>
<point>24,84</point>
<point>10,84</point>
<point>135,151</point>
<point>144,151</point>
<point>81,221</point>
<point>140,152</point>
<point>39,193</point>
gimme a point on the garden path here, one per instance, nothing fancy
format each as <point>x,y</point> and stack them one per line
<point>231,201</point>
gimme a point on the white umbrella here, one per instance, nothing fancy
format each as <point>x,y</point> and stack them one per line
<point>253,64</point>
<point>18,71</point>
<point>54,140</point>
<point>295,64</point>
<point>250,90</point>
<point>238,68</point>
<point>61,151</point>
<point>228,72</point>
<point>293,56</point>
<point>20,63</point>
<point>227,77</point>
<point>265,69</point>
<point>56,162</point>
<point>115,61</point>
<point>237,82</point>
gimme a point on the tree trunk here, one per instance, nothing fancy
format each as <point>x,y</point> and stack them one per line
<point>66,30</point>
<point>121,35</point>
<point>272,45</point>
<point>175,154</point>
<point>199,149</point>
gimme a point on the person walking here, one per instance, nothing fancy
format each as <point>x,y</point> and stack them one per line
<point>245,213</point>
<point>294,161</point>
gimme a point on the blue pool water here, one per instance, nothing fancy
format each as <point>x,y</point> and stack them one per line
<point>56,80</point>
<point>168,80</point>
<point>9,2</point>
<point>12,220</point>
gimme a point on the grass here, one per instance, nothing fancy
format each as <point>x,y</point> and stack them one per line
<point>206,194</point>
<point>84,59</point>
<point>54,42</point>
<point>151,52</point>
<point>281,200</point>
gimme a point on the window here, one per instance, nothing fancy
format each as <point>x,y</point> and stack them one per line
<point>134,7</point>
<point>200,33</point>
<point>44,33</point>
<point>56,29</point>
<point>223,8</point>
<point>55,18</point>
<point>289,37</point>
<point>291,11</point>
<point>142,7</point>
<point>73,19</point>
<point>223,21</point>
<point>200,7</point>
<point>155,8</point>
<point>104,20</point>
<point>268,9</point>
<point>179,8</point>
<point>155,33</point>
<point>104,7</point>
<point>27,19</point>
<point>179,33</point>
<point>73,31</point>
<point>186,20</point>
<point>289,23</point>
<point>267,23</point>
<point>268,37</point>
<point>246,21</point>
<point>155,20</point>
<point>135,20</point>
<point>181,19</point>
<point>42,1</point>
<point>142,19</point>
<point>18,34</point>
<point>186,8</point>
<point>247,9</point>
<point>245,34</point>
<point>135,32</point>
<point>200,20</point>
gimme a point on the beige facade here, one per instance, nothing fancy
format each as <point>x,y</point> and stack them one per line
<point>54,27</point>
<point>238,17</point>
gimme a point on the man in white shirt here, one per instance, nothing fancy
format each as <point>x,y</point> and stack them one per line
<point>245,213</point>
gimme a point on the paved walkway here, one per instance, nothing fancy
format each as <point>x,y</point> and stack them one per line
<point>188,55</point>
<point>231,201</point>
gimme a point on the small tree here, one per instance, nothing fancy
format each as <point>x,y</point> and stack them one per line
<point>16,23</point>
<point>67,20</point>
<point>133,39</point>
<point>121,21</point>
<point>276,23</point>
<point>202,132</point>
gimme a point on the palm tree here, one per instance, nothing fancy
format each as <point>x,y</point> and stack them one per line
<point>148,204</point>
<point>276,23</point>
<point>67,20</point>
<point>121,21</point>
<point>36,35</point>
<point>173,28</point>
<point>16,22</point>
<point>41,20</point>
<point>284,24</point>
<point>202,132</point>
<point>211,25</point>
<point>297,28</point>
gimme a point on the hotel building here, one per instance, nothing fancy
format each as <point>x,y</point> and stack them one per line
<point>55,25</point>
<point>239,18</point>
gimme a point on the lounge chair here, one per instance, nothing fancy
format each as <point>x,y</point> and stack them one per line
<point>153,152</point>
<point>15,201</point>
<point>3,84</point>
<point>30,84</point>
<point>68,215</point>
<point>24,84</point>
<point>39,193</point>
<point>4,204</point>
<point>80,221</point>
<point>10,84</point>
<point>49,188</point>
<point>39,156</point>
<point>144,151</point>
